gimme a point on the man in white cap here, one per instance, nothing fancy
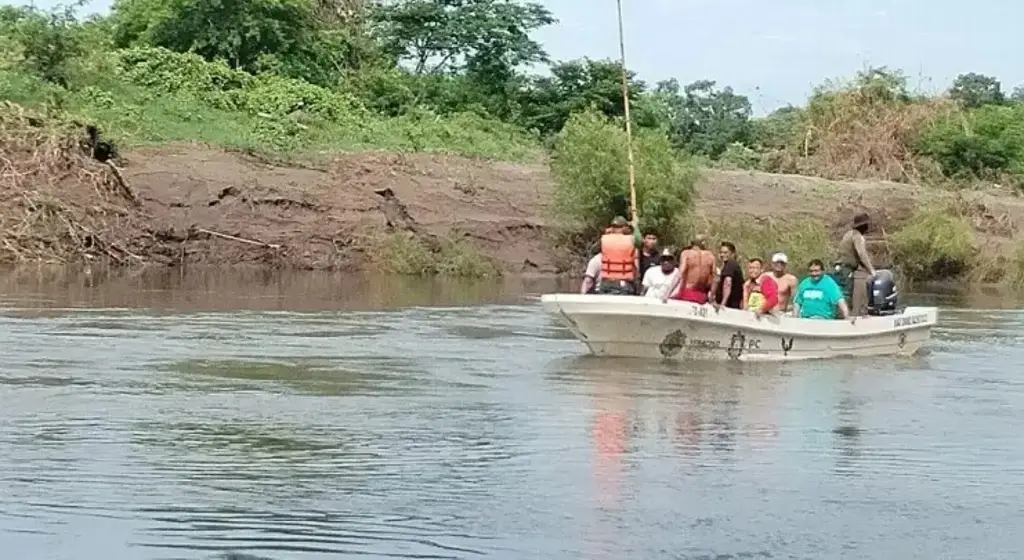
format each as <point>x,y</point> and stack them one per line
<point>786,281</point>
<point>658,279</point>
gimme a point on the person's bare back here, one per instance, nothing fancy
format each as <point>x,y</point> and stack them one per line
<point>699,270</point>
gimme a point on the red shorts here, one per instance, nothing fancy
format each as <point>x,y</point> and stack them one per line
<point>692,295</point>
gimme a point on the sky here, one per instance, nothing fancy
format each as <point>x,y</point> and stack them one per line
<point>776,51</point>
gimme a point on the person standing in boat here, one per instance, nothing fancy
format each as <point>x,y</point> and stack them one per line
<point>619,259</point>
<point>854,267</point>
<point>819,296</point>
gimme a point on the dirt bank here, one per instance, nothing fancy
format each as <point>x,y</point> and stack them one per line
<point>197,205</point>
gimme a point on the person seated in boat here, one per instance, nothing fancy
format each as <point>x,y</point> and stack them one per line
<point>760,291</point>
<point>696,273</point>
<point>728,287</point>
<point>619,259</point>
<point>592,276</point>
<point>818,296</point>
<point>786,281</point>
<point>659,279</point>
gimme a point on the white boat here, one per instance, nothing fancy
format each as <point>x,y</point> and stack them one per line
<point>641,327</point>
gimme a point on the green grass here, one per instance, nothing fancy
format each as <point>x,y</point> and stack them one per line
<point>935,244</point>
<point>409,255</point>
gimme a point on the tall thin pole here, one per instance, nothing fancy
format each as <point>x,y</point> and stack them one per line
<point>629,125</point>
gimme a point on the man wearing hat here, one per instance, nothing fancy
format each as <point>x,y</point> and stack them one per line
<point>619,259</point>
<point>785,281</point>
<point>658,279</point>
<point>854,268</point>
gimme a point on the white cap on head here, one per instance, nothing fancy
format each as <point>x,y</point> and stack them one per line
<point>780,258</point>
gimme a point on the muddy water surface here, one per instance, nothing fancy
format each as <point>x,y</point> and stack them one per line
<point>306,417</point>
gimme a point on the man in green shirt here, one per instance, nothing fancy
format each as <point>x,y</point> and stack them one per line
<point>819,296</point>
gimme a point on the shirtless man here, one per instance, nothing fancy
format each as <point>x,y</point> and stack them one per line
<point>786,281</point>
<point>696,272</point>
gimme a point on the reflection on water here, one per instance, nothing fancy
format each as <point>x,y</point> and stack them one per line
<point>462,432</point>
<point>209,289</point>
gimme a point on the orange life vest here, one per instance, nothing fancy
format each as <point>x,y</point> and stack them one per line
<point>618,257</point>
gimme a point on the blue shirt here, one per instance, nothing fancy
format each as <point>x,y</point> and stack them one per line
<point>817,299</point>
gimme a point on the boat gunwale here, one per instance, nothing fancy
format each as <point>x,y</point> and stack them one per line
<point>776,330</point>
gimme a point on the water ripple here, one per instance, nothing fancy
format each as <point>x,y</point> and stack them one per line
<point>463,432</point>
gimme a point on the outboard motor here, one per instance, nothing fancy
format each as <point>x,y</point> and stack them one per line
<point>882,295</point>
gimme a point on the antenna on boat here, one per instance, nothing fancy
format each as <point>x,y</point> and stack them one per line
<point>635,219</point>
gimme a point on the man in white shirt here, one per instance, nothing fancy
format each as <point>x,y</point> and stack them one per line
<point>658,279</point>
<point>592,277</point>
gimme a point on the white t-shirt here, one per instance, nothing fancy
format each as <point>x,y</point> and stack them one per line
<point>594,268</point>
<point>657,282</point>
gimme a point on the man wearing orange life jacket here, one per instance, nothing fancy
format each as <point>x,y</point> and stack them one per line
<point>619,259</point>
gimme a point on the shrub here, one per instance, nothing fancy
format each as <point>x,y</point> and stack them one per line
<point>46,44</point>
<point>738,156</point>
<point>165,71</point>
<point>856,130</point>
<point>934,244</point>
<point>986,143</point>
<point>409,255</point>
<point>590,166</point>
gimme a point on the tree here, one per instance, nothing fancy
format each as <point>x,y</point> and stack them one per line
<point>589,163</point>
<point>445,36</point>
<point>1018,94</point>
<point>575,86</point>
<point>463,54</point>
<point>287,37</point>
<point>703,119</point>
<point>49,41</point>
<point>974,90</point>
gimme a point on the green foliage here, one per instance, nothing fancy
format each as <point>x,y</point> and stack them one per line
<point>284,36</point>
<point>934,244</point>
<point>589,163</point>
<point>985,143</point>
<point>577,86</point>
<point>409,255</point>
<point>481,36</point>
<point>44,43</point>
<point>315,75</point>
<point>706,120</point>
<point>975,90</point>
<point>739,156</point>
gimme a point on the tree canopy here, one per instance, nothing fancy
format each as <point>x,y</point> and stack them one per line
<point>479,59</point>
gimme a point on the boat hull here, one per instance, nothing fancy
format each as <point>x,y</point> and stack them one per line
<point>638,327</point>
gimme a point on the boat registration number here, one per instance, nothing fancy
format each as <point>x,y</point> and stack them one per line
<point>909,321</point>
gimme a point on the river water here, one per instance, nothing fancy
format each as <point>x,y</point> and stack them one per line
<point>306,417</point>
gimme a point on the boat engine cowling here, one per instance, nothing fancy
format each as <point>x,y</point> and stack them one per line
<point>882,295</point>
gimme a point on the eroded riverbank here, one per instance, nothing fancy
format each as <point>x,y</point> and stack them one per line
<point>189,205</point>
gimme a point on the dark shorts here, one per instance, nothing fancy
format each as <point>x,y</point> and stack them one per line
<point>617,287</point>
